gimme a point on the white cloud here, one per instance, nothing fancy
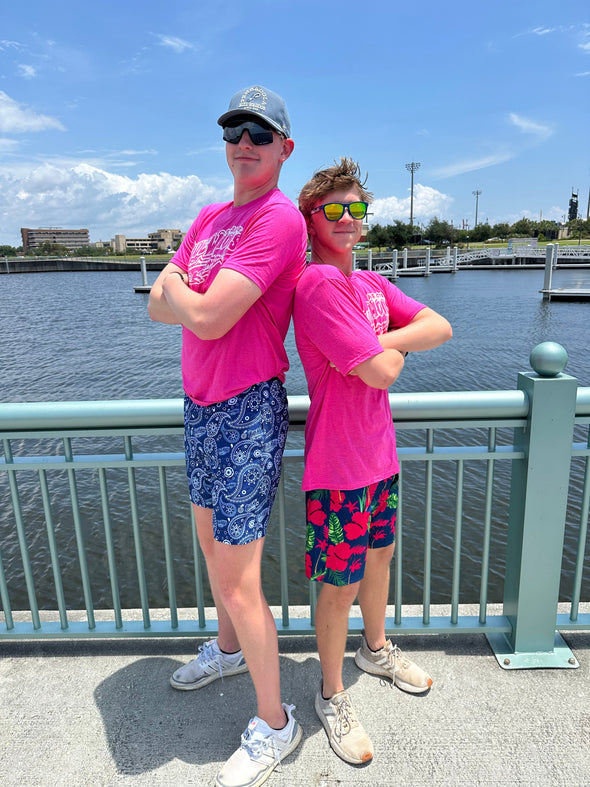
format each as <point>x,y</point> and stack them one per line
<point>85,196</point>
<point>585,47</point>
<point>8,145</point>
<point>473,164</point>
<point>428,202</point>
<point>26,71</point>
<point>528,126</point>
<point>177,44</point>
<point>17,119</point>
<point>583,74</point>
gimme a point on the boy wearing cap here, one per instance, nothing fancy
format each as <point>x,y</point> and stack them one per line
<point>231,286</point>
<point>353,330</point>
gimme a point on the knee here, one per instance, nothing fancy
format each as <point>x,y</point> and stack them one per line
<point>338,599</point>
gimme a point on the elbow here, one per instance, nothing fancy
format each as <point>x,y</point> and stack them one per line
<point>206,330</point>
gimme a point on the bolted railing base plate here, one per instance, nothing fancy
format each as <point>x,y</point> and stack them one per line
<point>561,657</point>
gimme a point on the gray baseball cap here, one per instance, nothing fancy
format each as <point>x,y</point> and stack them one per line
<point>260,103</point>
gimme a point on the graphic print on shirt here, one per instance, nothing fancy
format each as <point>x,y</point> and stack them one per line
<point>207,255</point>
<point>377,312</point>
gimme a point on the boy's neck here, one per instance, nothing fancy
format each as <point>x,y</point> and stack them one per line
<point>341,261</point>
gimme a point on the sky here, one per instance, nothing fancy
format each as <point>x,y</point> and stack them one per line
<point>108,111</point>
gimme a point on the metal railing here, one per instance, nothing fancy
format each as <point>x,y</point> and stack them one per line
<point>531,434</point>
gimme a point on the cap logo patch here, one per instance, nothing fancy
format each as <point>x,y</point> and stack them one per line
<point>253,98</point>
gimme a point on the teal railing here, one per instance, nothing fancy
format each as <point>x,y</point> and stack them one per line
<point>531,434</point>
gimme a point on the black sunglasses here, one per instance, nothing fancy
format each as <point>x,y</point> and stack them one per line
<point>334,211</point>
<point>259,134</point>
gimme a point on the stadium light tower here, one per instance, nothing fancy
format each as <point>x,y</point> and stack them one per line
<point>476,195</point>
<point>412,167</point>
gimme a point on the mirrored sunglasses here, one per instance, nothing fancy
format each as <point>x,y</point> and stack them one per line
<point>260,135</point>
<point>334,211</point>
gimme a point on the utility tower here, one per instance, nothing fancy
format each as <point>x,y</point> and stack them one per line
<point>412,167</point>
<point>476,195</point>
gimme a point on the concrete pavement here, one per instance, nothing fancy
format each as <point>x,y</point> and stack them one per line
<point>103,713</point>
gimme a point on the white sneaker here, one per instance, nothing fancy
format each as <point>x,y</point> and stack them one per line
<point>261,750</point>
<point>345,732</point>
<point>210,664</point>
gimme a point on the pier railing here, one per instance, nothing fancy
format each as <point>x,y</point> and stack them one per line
<point>531,434</point>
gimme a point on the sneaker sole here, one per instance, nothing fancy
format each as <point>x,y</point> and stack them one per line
<point>373,669</point>
<point>335,747</point>
<point>206,680</point>
<point>295,741</point>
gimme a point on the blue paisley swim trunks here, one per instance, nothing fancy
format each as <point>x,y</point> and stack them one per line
<point>234,451</point>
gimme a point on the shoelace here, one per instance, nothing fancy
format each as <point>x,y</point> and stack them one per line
<point>256,744</point>
<point>345,716</point>
<point>206,656</point>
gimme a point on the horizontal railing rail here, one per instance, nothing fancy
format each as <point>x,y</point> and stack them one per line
<point>525,439</point>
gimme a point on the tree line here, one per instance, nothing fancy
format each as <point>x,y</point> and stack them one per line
<point>440,233</point>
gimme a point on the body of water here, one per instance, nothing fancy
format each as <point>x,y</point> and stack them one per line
<point>87,336</point>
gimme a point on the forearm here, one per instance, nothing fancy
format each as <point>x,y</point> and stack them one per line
<point>426,331</point>
<point>382,370</point>
<point>159,307</point>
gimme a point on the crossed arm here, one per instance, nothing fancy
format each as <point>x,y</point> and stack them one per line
<point>208,315</point>
<point>427,330</point>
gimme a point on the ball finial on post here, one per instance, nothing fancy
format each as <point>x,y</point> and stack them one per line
<point>548,359</point>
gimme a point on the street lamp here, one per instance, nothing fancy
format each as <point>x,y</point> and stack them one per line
<point>412,167</point>
<point>476,195</point>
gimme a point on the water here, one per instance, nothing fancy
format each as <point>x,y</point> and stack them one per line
<point>87,336</point>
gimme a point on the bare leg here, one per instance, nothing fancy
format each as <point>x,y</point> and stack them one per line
<point>373,594</point>
<point>227,638</point>
<point>331,628</point>
<point>245,620</point>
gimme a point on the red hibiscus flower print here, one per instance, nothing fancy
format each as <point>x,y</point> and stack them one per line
<point>338,555</point>
<point>315,515</point>
<point>336,500</point>
<point>357,527</point>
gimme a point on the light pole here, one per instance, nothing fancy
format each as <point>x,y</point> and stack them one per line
<point>476,195</point>
<point>412,167</point>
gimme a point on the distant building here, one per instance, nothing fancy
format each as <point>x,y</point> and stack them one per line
<point>71,239</point>
<point>573,207</point>
<point>162,240</point>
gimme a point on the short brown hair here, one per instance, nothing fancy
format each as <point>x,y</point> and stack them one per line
<point>345,175</point>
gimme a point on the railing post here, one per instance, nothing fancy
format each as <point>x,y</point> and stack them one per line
<point>455,258</point>
<point>548,272</point>
<point>427,262</point>
<point>536,526</point>
<point>394,265</point>
<point>405,258</point>
<point>370,260</point>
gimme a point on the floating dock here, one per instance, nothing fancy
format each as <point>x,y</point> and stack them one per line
<point>563,294</point>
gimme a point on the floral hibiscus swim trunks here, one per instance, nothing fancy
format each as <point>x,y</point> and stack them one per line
<point>342,525</point>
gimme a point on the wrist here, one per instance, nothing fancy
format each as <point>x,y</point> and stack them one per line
<point>177,273</point>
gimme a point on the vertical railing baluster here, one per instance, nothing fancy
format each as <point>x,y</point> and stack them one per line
<point>313,600</point>
<point>69,456</point>
<point>487,528</point>
<point>4,597</point>
<point>137,534</point>
<point>108,532</point>
<point>168,548</point>
<point>198,573</point>
<point>53,550</point>
<point>283,563</point>
<point>399,552</point>
<point>22,537</point>
<point>428,528</point>
<point>457,544</point>
<point>580,552</point>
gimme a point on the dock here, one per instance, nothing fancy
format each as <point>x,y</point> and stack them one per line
<point>563,294</point>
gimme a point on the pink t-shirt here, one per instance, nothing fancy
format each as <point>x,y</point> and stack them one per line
<point>349,436</point>
<point>266,241</point>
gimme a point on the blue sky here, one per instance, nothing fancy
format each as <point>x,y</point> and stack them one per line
<point>108,110</point>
